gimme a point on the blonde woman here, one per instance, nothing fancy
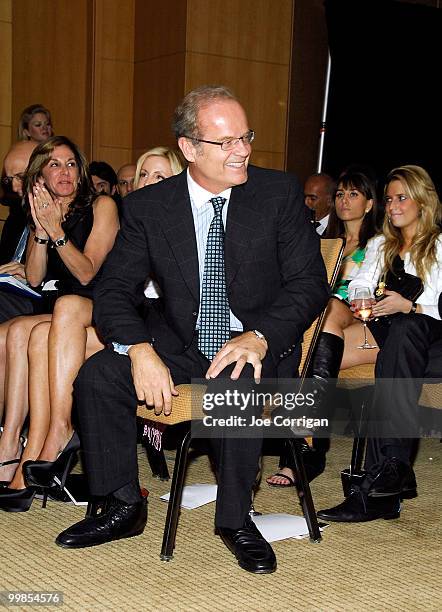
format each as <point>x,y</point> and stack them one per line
<point>155,165</point>
<point>35,124</point>
<point>410,245</point>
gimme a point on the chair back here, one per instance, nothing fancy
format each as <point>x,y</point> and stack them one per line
<point>332,251</point>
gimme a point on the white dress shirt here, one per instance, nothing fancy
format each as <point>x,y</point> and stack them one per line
<point>202,211</point>
<point>322,225</point>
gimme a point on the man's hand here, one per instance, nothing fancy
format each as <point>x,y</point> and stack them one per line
<point>14,268</point>
<point>246,348</point>
<point>152,380</point>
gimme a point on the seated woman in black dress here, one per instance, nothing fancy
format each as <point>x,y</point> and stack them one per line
<point>48,345</point>
<point>72,230</point>
<point>410,245</point>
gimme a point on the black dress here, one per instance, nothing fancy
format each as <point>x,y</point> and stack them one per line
<point>77,228</point>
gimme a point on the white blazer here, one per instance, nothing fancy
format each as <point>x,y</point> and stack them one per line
<point>369,274</point>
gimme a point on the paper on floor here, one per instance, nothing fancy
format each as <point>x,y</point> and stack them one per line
<point>281,526</point>
<point>196,495</point>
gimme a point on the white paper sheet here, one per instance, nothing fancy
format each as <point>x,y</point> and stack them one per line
<point>196,495</point>
<point>281,526</point>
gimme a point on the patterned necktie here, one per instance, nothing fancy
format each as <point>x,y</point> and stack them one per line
<point>214,328</point>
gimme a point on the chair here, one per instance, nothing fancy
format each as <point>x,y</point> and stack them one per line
<point>183,410</point>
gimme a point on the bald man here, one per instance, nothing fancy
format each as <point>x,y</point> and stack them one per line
<point>14,165</point>
<point>318,196</point>
<point>126,176</point>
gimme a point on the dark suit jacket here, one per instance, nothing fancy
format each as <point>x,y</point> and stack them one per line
<point>276,279</point>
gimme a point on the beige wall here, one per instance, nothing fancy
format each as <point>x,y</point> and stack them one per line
<point>51,63</point>
<point>159,71</point>
<point>112,71</point>
<point>6,78</point>
<point>246,46</point>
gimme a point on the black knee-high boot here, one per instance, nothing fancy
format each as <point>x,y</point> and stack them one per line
<point>324,370</point>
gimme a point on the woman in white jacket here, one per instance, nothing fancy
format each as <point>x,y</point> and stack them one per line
<point>405,330</point>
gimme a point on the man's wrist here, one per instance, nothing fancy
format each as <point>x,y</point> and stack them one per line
<point>141,346</point>
<point>261,337</point>
<point>121,349</point>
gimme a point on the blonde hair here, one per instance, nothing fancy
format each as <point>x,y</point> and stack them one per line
<point>418,186</point>
<point>27,115</point>
<point>173,157</point>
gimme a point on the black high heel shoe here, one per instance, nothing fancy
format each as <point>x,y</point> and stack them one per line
<point>47,474</point>
<point>19,500</point>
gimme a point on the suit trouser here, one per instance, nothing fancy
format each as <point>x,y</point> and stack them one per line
<point>107,403</point>
<point>404,355</point>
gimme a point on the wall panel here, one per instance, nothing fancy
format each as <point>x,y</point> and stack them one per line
<point>115,111</point>
<point>160,30</point>
<point>112,71</point>
<point>265,105</point>
<point>115,156</point>
<point>112,101</point>
<point>51,63</point>
<point>258,30</point>
<point>228,42</point>
<point>6,72</point>
<point>265,159</point>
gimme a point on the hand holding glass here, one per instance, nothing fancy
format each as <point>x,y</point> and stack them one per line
<point>362,304</point>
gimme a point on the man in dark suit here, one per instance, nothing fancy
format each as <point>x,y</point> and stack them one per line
<point>273,282</point>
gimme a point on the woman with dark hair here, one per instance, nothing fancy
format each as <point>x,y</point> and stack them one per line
<point>35,124</point>
<point>65,358</point>
<point>352,217</point>
<point>403,266</point>
<point>71,231</point>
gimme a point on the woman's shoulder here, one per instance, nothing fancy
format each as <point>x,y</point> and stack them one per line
<point>104,202</point>
<point>376,240</point>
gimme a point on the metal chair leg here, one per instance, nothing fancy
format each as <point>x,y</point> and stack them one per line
<point>176,493</point>
<point>357,455</point>
<point>305,495</point>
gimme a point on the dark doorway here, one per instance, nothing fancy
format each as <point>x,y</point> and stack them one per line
<point>384,106</point>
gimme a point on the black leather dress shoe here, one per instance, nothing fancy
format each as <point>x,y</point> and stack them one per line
<point>359,508</point>
<point>392,478</point>
<point>117,521</point>
<point>254,554</point>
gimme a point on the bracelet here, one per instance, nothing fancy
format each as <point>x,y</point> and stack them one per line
<point>413,308</point>
<point>41,240</point>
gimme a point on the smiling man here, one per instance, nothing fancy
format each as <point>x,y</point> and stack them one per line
<point>241,276</point>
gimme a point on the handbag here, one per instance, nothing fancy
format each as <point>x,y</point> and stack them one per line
<point>407,285</point>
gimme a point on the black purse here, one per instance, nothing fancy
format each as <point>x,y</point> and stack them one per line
<point>407,285</point>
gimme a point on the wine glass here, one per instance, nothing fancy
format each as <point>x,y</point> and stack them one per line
<point>362,303</point>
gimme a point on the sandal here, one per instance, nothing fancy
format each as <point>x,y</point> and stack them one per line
<point>4,483</point>
<point>290,481</point>
<point>23,441</point>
